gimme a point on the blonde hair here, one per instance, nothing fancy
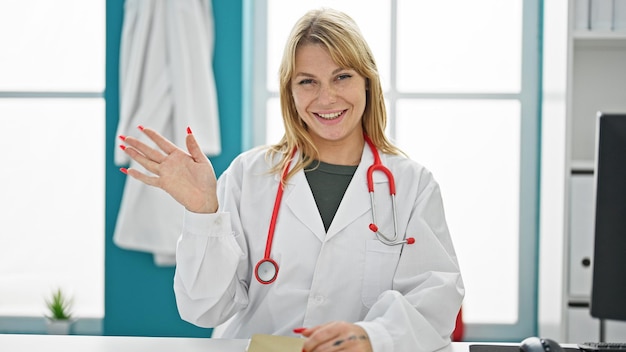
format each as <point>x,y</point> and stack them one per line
<point>341,37</point>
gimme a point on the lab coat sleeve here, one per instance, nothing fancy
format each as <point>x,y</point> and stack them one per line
<point>419,313</point>
<point>210,261</point>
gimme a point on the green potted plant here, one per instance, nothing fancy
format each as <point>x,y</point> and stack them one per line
<point>59,315</point>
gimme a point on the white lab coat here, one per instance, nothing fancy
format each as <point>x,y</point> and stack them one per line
<point>167,84</point>
<point>405,297</point>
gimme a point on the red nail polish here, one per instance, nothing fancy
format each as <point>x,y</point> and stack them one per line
<point>140,127</point>
<point>298,330</point>
<point>123,138</point>
<point>124,170</point>
<point>122,147</point>
<point>188,130</point>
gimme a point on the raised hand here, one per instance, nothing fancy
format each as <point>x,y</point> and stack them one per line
<point>187,176</point>
<point>336,336</point>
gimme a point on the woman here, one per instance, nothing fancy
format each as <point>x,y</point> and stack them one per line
<point>337,284</point>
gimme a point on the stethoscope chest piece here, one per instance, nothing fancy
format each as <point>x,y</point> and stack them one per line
<point>266,271</point>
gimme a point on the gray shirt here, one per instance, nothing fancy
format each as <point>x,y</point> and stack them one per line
<point>328,183</point>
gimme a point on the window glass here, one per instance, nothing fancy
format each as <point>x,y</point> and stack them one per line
<point>52,228</point>
<point>52,45</point>
<point>473,149</point>
<point>373,20</point>
<point>459,46</point>
<point>52,186</point>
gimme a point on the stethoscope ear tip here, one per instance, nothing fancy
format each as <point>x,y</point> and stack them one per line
<point>410,240</point>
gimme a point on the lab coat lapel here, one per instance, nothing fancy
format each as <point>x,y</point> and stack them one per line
<point>299,199</point>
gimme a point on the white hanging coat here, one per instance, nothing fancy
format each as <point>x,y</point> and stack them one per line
<point>405,297</point>
<point>166,83</point>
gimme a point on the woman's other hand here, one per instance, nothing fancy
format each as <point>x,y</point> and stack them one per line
<point>187,176</point>
<point>336,336</point>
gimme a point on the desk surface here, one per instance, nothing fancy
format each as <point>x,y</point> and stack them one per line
<point>82,343</point>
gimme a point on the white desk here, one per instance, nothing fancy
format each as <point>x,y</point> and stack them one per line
<point>81,343</point>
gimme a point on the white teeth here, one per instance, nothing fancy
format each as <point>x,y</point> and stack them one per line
<point>330,116</point>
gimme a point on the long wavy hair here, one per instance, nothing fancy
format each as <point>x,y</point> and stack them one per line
<point>341,37</point>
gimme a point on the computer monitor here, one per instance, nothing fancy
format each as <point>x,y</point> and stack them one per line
<point>608,293</point>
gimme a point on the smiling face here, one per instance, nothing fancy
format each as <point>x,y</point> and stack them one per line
<point>329,99</point>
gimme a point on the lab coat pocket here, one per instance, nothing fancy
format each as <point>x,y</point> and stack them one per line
<point>380,263</point>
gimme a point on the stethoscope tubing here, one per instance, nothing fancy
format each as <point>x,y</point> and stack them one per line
<point>272,228</point>
<point>279,197</point>
<point>378,166</point>
<point>266,270</point>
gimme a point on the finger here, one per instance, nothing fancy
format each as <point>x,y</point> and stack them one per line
<point>144,149</point>
<point>352,342</point>
<point>321,338</point>
<point>194,149</point>
<point>147,162</point>
<point>301,330</point>
<point>309,331</point>
<point>149,180</point>
<point>163,143</point>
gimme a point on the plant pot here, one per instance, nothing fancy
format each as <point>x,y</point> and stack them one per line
<point>58,327</point>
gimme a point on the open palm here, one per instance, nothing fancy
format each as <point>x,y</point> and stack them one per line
<point>187,176</point>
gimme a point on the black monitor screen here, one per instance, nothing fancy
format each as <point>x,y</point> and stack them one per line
<point>608,296</point>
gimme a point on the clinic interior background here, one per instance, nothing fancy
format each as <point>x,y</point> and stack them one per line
<point>64,202</point>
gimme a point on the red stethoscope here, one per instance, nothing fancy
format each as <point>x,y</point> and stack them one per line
<point>266,270</point>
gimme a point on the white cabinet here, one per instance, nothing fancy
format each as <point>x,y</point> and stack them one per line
<point>595,61</point>
<point>581,326</point>
<point>580,239</point>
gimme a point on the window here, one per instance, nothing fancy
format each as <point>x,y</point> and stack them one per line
<point>52,130</point>
<point>461,80</point>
